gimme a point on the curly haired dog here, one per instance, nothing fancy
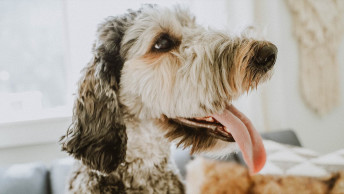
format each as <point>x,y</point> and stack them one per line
<point>158,77</point>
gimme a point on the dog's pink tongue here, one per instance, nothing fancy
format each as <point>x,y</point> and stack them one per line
<point>244,133</point>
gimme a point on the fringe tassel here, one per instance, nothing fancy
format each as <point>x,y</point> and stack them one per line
<point>318,27</point>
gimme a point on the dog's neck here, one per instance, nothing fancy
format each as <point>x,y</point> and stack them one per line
<point>147,166</point>
<point>146,143</point>
<point>147,158</point>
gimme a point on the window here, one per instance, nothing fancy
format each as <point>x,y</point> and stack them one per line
<point>33,58</point>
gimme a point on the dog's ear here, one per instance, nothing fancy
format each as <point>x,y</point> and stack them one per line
<point>97,135</point>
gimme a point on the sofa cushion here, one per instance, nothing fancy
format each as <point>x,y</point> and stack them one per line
<point>24,179</point>
<point>282,136</point>
<point>59,172</point>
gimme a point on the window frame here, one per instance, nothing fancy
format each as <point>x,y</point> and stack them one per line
<point>33,132</point>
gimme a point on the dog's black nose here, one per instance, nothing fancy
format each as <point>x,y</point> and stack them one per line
<point>266,56</point>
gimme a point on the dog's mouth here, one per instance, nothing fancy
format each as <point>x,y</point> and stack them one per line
<point>215,128</point>
<point>233,126</point>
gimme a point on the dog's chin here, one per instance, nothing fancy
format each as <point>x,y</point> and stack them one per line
<point>205,136</point>
<point>202,134</point>
<point>198,139</point>
<point>207,124</point>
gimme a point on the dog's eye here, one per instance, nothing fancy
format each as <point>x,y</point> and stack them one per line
<point>163,44</point>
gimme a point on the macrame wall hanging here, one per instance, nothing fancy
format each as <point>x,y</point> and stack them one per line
<point>319,28</point>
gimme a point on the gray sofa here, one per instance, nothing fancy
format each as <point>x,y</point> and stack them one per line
<point>37,178</point>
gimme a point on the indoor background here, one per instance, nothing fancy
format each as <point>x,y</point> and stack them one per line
<point>44,44</point>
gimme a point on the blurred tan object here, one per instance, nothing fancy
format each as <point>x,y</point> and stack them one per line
<point>206,176</point>
<point>318,27</point>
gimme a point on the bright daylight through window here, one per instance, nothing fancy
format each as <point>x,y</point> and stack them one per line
<point>33,61</point>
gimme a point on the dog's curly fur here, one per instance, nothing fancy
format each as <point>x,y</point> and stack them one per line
<point>122,126</point>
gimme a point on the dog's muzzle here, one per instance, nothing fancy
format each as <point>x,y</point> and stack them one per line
<point>265,56</point>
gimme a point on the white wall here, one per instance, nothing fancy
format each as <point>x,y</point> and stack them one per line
<point>44,153</point>
<point>32,141</point>
<point>285,107</point>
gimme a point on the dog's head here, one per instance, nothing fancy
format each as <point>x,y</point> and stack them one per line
<point>159,64</point>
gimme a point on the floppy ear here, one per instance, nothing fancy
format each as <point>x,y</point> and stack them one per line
<point>97,135</point>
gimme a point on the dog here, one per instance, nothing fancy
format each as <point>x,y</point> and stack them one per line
<point>158,77</point>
